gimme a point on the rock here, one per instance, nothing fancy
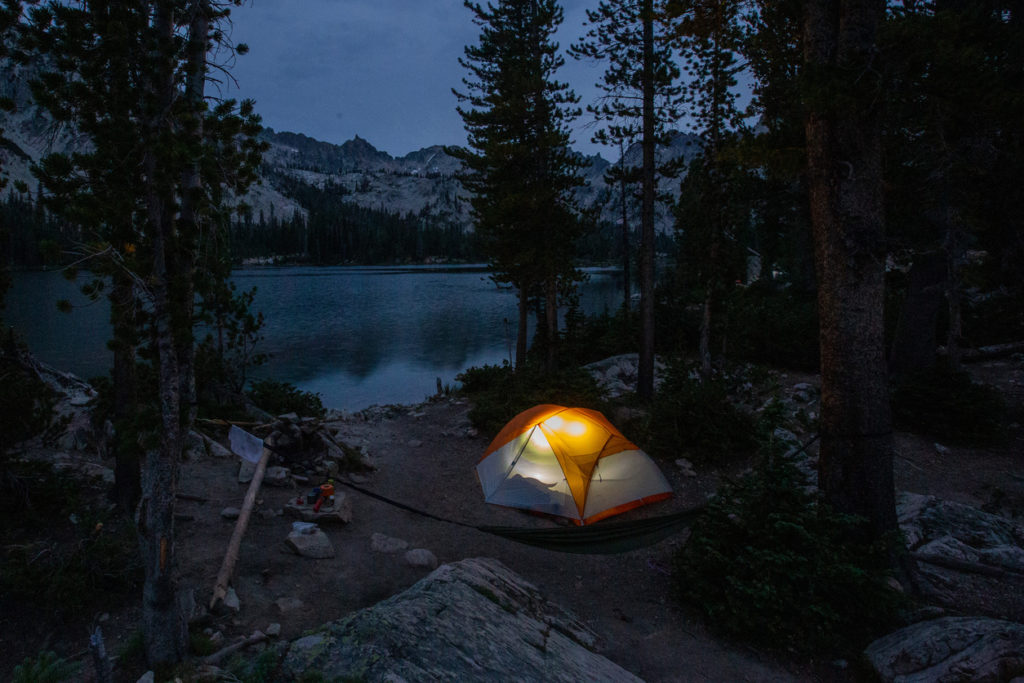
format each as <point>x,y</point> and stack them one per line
<point>230,513</point>
<point>421,557</point>
<point>277,476</point>
<point>340,513</point>
<point>232,602</point>
<point>380,543</point>
<point>316,545</point>
<point>950,649</point>
<point>286,605</point>
<point>686,467</point>
<point>940,449</point>
<point>414,443</point>
<point>246,470</point>
<point>472,620</point>
<point>472,433</point>
<point>148,677</point>
<point>942,528</point>
<point>288,417</point>
<point>273,630</point>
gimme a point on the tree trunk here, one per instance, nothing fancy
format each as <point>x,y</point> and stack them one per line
<point>914,343</point>
<point>626,278</point>
<point>127,472</point>
<point>165,633</point>
<point>845,188</point>
<point>645,371</point>
<point>524,319</point>
<point>551,322</point>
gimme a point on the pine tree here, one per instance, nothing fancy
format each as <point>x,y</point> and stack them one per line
<point>130,76</point>
<point>710,33</point>
<point>640,101</point>
<point>521,170</point>
<point>844,167</point>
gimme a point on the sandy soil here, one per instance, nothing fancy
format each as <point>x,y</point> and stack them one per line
<point>424,458</point>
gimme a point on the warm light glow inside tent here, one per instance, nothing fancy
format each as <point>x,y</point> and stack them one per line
<point>570,462</point>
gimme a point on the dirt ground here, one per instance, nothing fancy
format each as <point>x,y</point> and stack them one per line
<point>424,458</point>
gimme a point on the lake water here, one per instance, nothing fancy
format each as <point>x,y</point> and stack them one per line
<point>356,335</point>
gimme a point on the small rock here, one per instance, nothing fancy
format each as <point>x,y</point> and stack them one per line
<point>277,476</point>
<point>940,449</point>
<point>273,630</point>
<point>472,433</point>
<point>316,545</point>
<point>230,513</point>
<point>268,514</point>
<point>414,443</point>
<point>421,557</point>
<point>286,605</point>
<point>380,543</point>
<point>232,602</point>
<point>686,467</point>
<point>288,417</point>
<point>148,677</point>
<point>246,470</point>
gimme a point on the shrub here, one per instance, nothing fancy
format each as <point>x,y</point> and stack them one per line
<point>279,398</point>
<point>764,324</point>
<point>499,393</point>
<point>696,417</point>
<point>948,405</point>
<point>45,667</point>
<point>770,564</point>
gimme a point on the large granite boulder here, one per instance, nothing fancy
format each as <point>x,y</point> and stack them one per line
<point>471,620</point>
<point>950,649</point>
<point>936,528</point>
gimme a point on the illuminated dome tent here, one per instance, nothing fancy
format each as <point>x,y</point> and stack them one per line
<point>570,462</point>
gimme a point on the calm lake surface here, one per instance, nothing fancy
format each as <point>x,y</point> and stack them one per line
<point>356,335</point>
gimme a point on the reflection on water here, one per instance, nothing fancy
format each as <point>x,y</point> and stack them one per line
<point>357,336</point>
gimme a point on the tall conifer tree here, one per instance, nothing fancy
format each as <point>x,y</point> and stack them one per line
<point>521,169</point>
<point>641,99</point>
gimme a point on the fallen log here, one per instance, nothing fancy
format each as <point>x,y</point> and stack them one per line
<point>227,568</point>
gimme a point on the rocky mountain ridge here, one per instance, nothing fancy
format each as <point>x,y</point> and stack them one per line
<point>423,182</point>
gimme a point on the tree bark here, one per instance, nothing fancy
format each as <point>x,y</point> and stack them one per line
<point>524,319</point>
<point>127,472</point>
<point>551,322</point>
<point>165,633</point>
<point>645,371</point>
<point>626,277</point>
<point>845,189</point>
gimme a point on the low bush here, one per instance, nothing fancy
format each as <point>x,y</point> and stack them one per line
<point>45,667</point>
<point>499,393</point>
<point>949,406</point>
<point>770,564</point>
<point>279,398</point>
<point>765,324</point>
<point>696,418</point>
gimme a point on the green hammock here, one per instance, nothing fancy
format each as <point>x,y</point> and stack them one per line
<point>605,538</point>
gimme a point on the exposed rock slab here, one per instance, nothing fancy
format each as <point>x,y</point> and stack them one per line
<point>940,528</point>
<point>950,649</point>
<point>471,620</point>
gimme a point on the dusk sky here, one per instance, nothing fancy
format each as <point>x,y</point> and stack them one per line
<point>380,69</point>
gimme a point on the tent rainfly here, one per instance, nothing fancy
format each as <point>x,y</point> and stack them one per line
<point>570,462</point>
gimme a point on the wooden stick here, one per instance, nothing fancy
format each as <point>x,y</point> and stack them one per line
<point>216,657</point>
<point>220,588</point>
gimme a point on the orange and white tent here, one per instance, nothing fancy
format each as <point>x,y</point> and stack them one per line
<point>570,462</point>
